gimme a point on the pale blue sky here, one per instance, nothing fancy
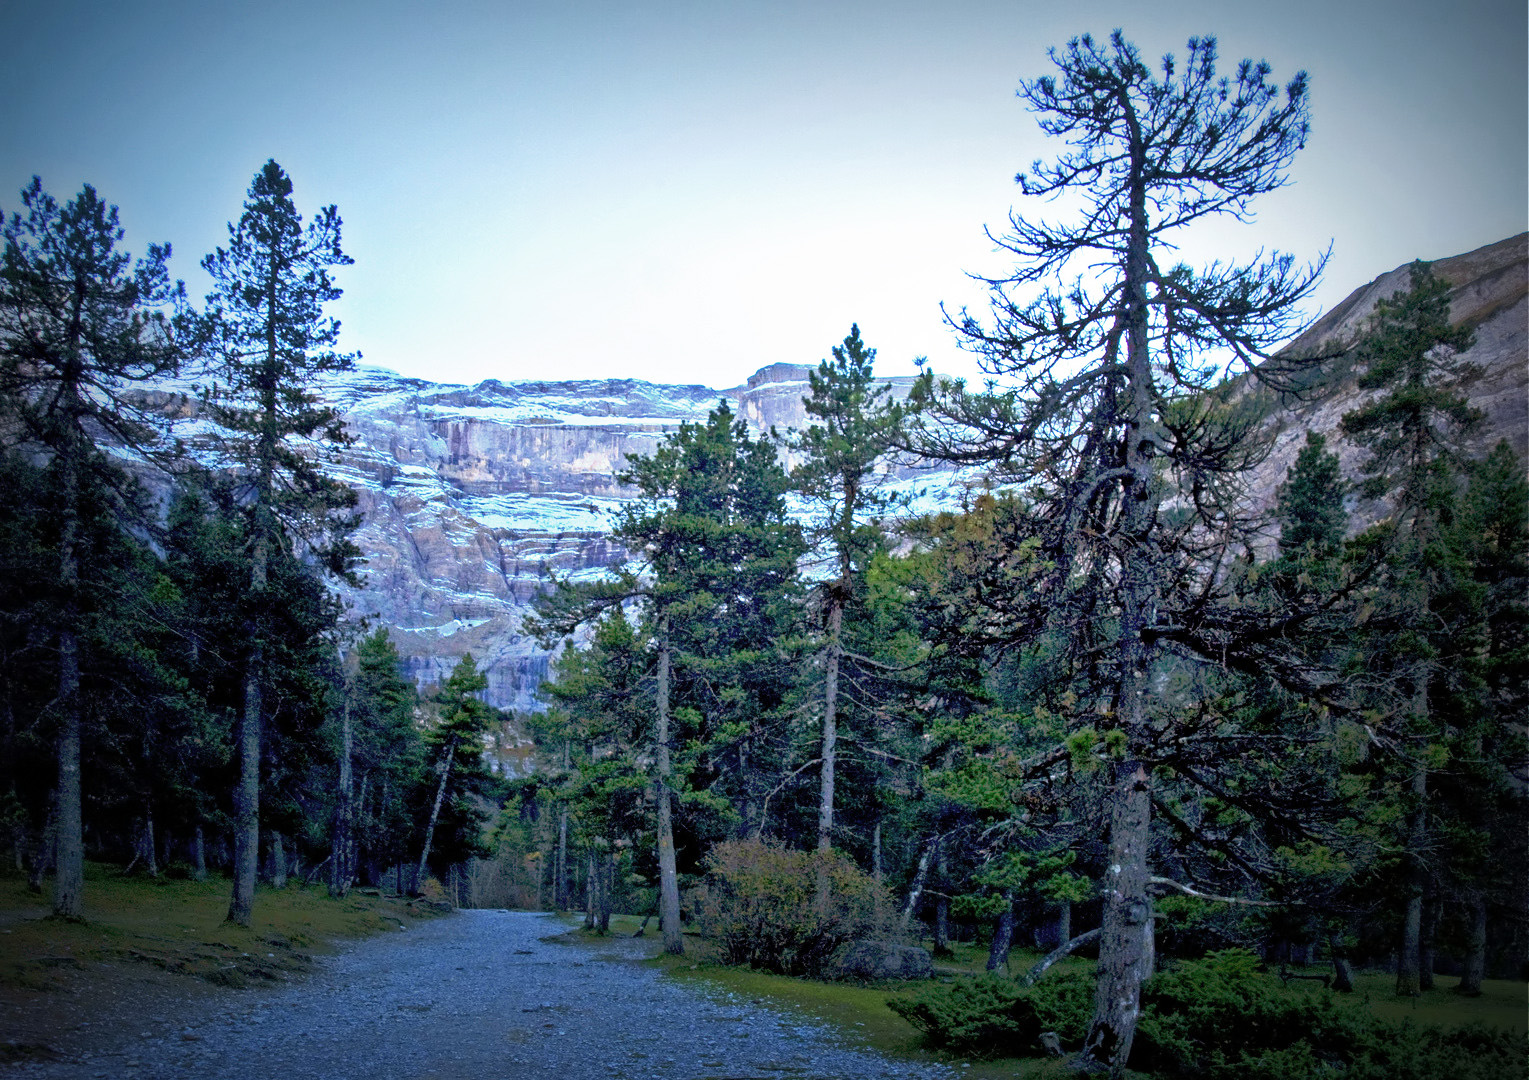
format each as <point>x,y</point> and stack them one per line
<point>686,191</point>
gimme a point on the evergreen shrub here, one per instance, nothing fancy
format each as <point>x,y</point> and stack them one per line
<point>758,906</point>
<point>1215,1019</point>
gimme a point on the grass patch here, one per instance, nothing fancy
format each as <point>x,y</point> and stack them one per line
<point>1503,1003</point>
<point>179,926</point>
<point>860,1012</point>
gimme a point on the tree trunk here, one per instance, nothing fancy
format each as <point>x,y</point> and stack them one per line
<point>607,863</point>
<point>591,887</point>
<point>830,744</point>
<point>69,842</point>
<point>1425,942</point>
<point>435,811</point>
<point>341,865</point>
<point>1062,925</point>
<point>247,794</point>
<point>1066,948</point>
<point>198,855</point>
<point>916,889</point>
<point>1125,939</point>
<point>1003,935</point>
<point>278,861</point>
<point>876,872</point>
<point>1343,972</point>
<point>941,903</point>
<point>43,854</point>
<point>668,875</point>
<point>560,862</point>
<point>1409,957</point>
<point>1475,949</point>
<point>150,847</point>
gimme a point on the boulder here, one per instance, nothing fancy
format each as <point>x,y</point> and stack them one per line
<point>880,960</point>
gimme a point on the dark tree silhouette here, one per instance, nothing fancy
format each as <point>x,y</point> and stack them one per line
<point>1114,417</point>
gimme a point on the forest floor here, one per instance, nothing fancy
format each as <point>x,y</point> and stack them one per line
<point>475,994</point>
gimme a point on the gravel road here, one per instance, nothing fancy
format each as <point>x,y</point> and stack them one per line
<point>481,994</point>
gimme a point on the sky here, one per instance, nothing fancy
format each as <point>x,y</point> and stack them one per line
<point>687,191</point>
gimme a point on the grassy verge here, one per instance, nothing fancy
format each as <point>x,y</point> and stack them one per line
<point>861,1012</point>
<point>178,926</point>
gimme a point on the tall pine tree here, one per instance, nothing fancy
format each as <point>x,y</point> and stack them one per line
<point>271,343</point>
<point>1109,354</point>
<point>79,319</point>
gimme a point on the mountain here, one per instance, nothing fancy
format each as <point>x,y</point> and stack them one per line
<point>473,496</point>
<point>1489,293</point>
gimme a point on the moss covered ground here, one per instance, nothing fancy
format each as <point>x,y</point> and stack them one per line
<point>178,925</point>
<point>861,1012</point>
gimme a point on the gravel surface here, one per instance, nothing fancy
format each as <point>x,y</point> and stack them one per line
<point>481,994</point>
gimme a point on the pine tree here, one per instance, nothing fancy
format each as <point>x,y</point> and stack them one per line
<point>385,758</point>
<point>455,740</point>
<point>710,523</point>
<point>857,426</point>
<point>78,320</point>
<point>1411,646</point>
<point>271,343</point>
<point>1111,356</point>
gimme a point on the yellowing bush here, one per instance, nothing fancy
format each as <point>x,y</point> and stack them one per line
<point>759,905</point>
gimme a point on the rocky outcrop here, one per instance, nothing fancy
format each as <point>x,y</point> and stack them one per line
<point>877,960</point>
<point>1490,295</point>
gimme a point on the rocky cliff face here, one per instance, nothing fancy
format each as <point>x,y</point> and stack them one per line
<point>473,496</point>
<point>1490,295</point>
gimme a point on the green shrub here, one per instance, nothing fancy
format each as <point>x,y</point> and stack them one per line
<point>993,1015</point>
<point>1216,1019</point>
<point>1219,1016</point>
<point>759,906</point>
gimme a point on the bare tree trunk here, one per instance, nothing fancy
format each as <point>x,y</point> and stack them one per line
<point>341,866</point>
<point>1062,927</point>
<point>198,855</point>
<point>241,905</point>
<point>941,902</point>
<point>607,866</point>
<point>560,863</point>
<point>47,842</point>
<point>150,847</point>
<point>1409,957</point>
<point>830,743</point>
<point>1475,949</point>
<point>1343,972</point>
<point>1066,948</point>
<point>668,874</point>
<point>876,873</point>
<point>1125,938</point>
<point>278,861</point>
<point>1003,935</point>
<point>69,844</point>
<point>916,890</point>
<point>435,811</point>
<point>1425,942</point>
<point>591,884</point>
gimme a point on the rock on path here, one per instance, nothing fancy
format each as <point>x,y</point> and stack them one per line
<point>480,995</point>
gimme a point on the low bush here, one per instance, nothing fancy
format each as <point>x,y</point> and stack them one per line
<point>994,1016</point>
<point>1215,1019</point>
<point>758,905</point>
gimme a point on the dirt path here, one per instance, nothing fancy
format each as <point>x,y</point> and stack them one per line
<point>475,995</point>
